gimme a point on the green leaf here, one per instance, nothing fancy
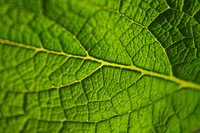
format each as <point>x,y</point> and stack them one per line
<point>100,66</point>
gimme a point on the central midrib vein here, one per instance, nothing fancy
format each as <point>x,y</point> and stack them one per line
<point>182,82</point>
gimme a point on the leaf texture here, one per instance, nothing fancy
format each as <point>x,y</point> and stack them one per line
<point>100,66</point>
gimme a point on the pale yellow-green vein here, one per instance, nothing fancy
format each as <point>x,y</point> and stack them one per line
<point>181,82</point>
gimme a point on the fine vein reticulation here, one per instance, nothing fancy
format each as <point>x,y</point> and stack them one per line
<point>100,66</point>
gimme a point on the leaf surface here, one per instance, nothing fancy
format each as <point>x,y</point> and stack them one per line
<point>100,66</point>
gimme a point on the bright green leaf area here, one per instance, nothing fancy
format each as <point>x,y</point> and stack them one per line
<point>85,66</point>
